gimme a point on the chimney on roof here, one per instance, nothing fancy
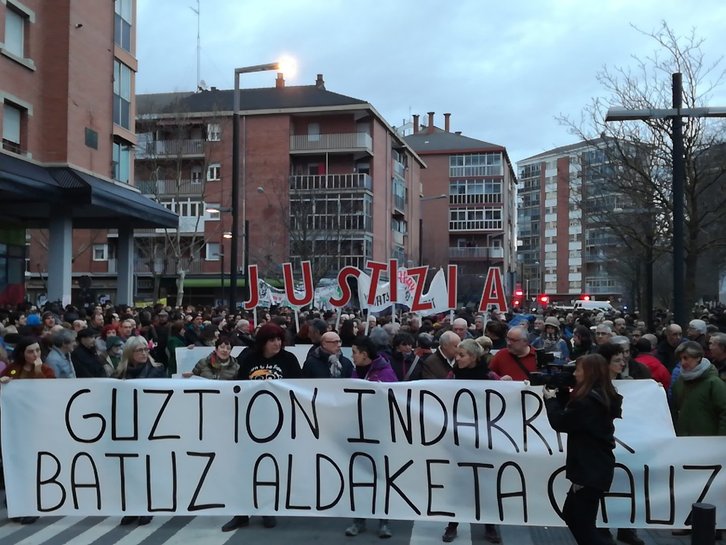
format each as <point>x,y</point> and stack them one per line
<point>213,88</point>
<point>447,121</point>
<point>458,133</point>
<point>430,128</point>
<point>320,82</point>
<point>280,81</point>
<point>415,123</point>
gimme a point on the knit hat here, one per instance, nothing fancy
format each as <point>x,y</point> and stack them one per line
<point>33,320</point>
<point>554,322</point>
<point>698,325</point>
<point>87,332</point>
<point>113,341</point>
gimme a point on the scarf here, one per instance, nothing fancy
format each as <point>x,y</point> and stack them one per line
<point>697,371</point>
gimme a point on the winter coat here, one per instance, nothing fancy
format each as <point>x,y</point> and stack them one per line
<point>657,369</point>
<point>145,370</point>
<point>209,367</point>
<point>378,371</point>
<point>699,405</point>
<point>588,423</point>
<point>436,367</point>
<point>317,365</point>
<point>87,363</point>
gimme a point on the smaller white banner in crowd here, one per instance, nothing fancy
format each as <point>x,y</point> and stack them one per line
<point>471,451</point>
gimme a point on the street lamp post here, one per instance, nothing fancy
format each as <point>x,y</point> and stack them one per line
<point>239,186</point>
<point>676,115</point>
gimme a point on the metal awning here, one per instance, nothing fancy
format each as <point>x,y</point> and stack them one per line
<point>30,194</point>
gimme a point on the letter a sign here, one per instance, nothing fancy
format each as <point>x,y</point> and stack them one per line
<point>493,294</point>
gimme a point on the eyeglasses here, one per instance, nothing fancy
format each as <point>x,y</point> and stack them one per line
<point>336,341</point>
<point>141,349</point>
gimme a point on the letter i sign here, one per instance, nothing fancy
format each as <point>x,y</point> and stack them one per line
<point>493,293</point>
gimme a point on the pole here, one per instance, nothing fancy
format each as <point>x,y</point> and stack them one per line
<point>221,268</point>
<point>246,258</point>
<point>234,246</point>
<point>679,179</point>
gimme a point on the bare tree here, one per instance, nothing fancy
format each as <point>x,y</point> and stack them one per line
<point>175,183</point>
<point>638,153</point>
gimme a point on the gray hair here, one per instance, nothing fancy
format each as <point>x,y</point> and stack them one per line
<point>720,338</point>
<point>472,347</point>
<point>380,337</point>
<point>64,336</point>
<point>689,348</point>
<point>449,337</point>
<point>621,340</point>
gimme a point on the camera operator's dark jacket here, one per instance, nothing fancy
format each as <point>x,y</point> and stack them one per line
<point>589,426</point>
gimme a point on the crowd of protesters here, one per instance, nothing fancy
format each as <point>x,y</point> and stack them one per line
<point>126,343</point>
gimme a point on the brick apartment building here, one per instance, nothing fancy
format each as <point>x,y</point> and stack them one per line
<point>561,253</point>
<point>323,177</point>
<point>67,119</point>
<point>468,205</point>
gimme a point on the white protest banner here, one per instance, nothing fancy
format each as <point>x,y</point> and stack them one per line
<point>471,451</point>
<point>406,290</point>
<point>437,295</point>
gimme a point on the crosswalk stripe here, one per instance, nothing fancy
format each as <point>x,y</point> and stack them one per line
<point>46,532</point>
<point>205,530</point>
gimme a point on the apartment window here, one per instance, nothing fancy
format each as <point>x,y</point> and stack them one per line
<point>100,252</point>
<point>475,164</point>
<point>213,251</point>
<point>122,24</point>
<point>475,219</point>
<point>313,132</point>
<point>121,160</point>
<point>196,175</point>
<point>15,32</point>
<point>214,133</point>
<point>12,119</point>
<point>121,94</point>
<point>214,172</point>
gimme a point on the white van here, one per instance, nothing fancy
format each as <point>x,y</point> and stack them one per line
<point>594,306</point>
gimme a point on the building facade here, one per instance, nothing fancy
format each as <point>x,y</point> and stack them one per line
<point>66,90</point>
<point>468,205</point>
<point>562,252</point>
<point>323,178</point>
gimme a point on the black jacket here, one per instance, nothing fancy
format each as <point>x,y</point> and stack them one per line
<point>317,365</point>
<point>589,426</point>
<point>86,363</point>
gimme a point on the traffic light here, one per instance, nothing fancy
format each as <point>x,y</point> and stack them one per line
<point>543,299</point>
<point>518,292</point>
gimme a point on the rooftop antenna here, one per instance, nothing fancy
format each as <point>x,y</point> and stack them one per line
<point>199,44</point>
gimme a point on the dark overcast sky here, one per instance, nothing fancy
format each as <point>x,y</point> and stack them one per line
<point>503,69</point>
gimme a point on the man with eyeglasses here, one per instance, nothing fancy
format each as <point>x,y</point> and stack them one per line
<point>516,361</point>
<point>603,334</point>
<point>327,360</point>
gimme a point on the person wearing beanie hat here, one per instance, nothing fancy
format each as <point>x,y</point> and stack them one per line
<point>267,359</point>
<point>551,341</point>
<point>33,320</point>
<point>114,350</point>
<point>85,357</point>
<point>697,332</point>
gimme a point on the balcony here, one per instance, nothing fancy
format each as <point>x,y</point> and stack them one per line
<point>170,187</point>
<point>308,182</point>
<point>476,252</point>
<point>170,149</point>
<point>399,204</point>
<point>355,141</point>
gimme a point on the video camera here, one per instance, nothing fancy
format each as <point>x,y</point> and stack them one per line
<point>550,374</point>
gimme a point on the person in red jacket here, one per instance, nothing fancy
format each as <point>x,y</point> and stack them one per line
<point>642,352</point>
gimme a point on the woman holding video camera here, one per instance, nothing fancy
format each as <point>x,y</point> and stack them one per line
<point>587,417</point>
